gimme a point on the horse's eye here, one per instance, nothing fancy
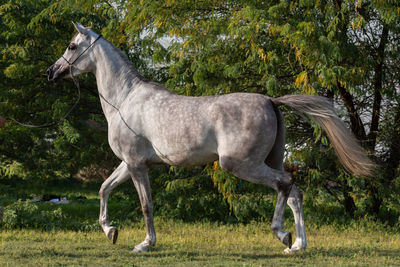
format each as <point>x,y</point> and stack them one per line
<point>72,46</point>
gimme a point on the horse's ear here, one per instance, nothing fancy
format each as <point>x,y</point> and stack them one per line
<point>79,27</point>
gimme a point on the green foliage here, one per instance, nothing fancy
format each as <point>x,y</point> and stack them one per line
<point>12,169</point>
<point>26,214</point>
<point>188,195</point>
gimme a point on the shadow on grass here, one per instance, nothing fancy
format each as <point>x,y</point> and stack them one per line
<point>338,253</point>
<point>345,252</point>
<point>162,252</point>
<point>56,253</point>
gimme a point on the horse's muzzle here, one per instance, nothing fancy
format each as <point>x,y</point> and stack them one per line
<point>56,72</point>
<point>50,73</point>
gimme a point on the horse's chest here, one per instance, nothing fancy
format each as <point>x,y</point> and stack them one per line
<point>125,141</point>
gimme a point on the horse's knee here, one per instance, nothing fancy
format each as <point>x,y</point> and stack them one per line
<point>104,191</point>
<point>101,192</point>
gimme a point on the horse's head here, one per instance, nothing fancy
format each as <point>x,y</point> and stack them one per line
<point>77,58</point>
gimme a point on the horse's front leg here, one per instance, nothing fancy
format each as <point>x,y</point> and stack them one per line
<point>119,176</point>
<point>141,181</point>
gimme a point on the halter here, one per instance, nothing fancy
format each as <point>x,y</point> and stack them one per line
<point>83,52</point>
<point>76,82</point>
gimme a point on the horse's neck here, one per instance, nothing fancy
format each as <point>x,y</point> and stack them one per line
<point>115,78</point>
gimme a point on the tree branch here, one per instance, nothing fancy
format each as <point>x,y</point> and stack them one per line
<point>378,77</point>
<point>356,124</point>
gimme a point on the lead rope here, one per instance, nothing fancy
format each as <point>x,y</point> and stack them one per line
<point>76,82</point>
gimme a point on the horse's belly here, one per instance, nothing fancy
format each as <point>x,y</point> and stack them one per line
<point>182,152</point>
<point>188,158</point>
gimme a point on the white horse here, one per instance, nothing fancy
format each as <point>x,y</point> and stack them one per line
<point>148,125</point>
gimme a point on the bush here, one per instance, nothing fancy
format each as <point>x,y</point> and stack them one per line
<point>26,214</point>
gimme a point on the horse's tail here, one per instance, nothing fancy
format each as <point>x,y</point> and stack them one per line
<point>350,153</point>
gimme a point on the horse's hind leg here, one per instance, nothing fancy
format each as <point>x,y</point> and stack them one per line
<point>119,176</point>
<point>295,200</point>
<point>262,174</point>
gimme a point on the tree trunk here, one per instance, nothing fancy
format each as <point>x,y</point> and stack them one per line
<point>348,202</point>
<point>394,155</point>
<point>373,187</point>
<point>378,81</point>
<point>356,124</point>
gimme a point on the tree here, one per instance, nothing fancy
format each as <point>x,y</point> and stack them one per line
<point>345,50</point>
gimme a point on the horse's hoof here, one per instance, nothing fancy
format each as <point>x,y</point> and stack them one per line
<point>289,251</point>
<point>141,248</point>
<point>287,239</point>
<point>113,235</point>
<point>292,250</point>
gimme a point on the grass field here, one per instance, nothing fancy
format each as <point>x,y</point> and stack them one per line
<point>201,244</point>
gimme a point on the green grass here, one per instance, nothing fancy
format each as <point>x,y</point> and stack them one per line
<point>333,240</point>
<point>201,244</point>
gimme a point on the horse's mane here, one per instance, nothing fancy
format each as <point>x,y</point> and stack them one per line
<point>125,58</point>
